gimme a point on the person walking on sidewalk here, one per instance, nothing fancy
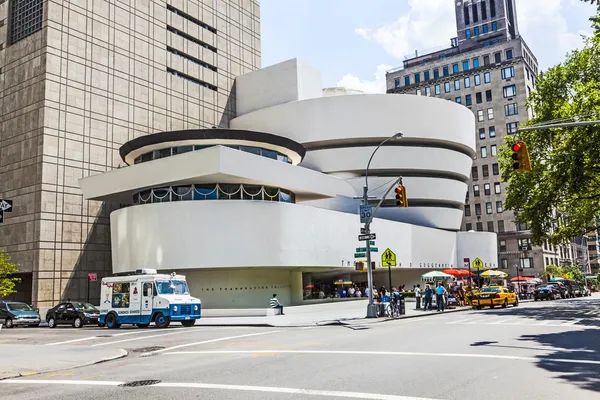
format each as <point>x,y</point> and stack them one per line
<point>276,304</point>
<point>440,294</point>
<point>428,297</point>
<point>418,296</point>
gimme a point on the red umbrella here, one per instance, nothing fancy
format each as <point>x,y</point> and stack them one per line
<point>521,279</point>
<point>310,286</point>
<point>457,272</point>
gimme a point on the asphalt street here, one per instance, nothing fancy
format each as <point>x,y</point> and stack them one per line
<point>546,350</point>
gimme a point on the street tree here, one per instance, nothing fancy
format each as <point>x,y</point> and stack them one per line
<point>552,271</point>
<point>7,271</point>
<point>560,197</point>
<point>573,272</point>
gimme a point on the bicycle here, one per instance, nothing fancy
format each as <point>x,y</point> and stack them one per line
<point>394,308</point>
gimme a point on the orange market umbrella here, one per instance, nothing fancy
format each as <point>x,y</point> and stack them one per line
<point>457,272</point>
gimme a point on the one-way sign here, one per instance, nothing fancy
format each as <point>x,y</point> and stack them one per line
<point>6,205</point>
<point>371,236</point>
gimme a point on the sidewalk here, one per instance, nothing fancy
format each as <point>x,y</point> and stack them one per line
<point>25,360</point>
<point>338,313</point>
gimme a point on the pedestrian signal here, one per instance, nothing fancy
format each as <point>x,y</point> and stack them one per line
<point>520,157</point>
<point>401,200</point>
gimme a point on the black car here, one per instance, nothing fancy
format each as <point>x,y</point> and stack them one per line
<point>75,314</point>
<point>14,313</point>
<point>564,291</point>
<point>548,292</point>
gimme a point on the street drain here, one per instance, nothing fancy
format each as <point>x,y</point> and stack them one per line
<point>146,349</point>
<point>148,382</point>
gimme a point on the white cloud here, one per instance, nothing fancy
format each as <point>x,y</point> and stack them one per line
<point>377,85</point>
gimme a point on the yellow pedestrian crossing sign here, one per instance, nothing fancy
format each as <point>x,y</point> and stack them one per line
<point>388,258</point>
<point>477,263</point>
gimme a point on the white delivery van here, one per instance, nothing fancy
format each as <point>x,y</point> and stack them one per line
<point>146,297</point>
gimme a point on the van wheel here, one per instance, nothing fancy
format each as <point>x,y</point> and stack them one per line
<point>51,323</point>
<point>188,324</point>
<point>111,321</point>
<point>161,321</point>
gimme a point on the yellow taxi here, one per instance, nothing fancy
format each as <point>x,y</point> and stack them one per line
<point>493,296</point>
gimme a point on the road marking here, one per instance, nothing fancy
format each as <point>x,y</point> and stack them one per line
<point>137,332</point>
<point>571,323</point>
<point>389,353</point>
<point>179,332</point>
<point>208,341</point>
<point>501,321</point>
<point>547,322</point>
<point>212,386</point>
<point>461,321</point>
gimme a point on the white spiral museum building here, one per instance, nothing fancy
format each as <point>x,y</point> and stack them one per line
<point>269,205</point>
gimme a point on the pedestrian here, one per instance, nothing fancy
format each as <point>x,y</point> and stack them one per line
<point>274,303</point>
<point>428,297</point>
<point>367,291</point>
<point>357,293</point>
<point>440,296</point>
<point>351,291</point>
<point>418,296</point>
<point>344,293</point>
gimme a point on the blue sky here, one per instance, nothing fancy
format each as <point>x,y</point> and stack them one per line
<point>353,42</point>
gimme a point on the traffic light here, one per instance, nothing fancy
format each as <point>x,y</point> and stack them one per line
<point>401,196</point>
<point>520,157</point>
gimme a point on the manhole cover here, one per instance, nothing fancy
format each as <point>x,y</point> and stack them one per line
<point>148,382</point>
<point>146,349</point>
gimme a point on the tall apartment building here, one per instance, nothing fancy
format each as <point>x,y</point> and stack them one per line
<point>489,69</point>
<point>594,252</point>
<point>77,80</point>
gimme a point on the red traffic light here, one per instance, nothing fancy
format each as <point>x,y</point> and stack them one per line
<point>398,190</point>
<point>516,147</point>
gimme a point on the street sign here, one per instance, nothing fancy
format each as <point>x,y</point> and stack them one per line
<point>371,236</point>
<point>388,258</point>
<point>374,250</point>
<point>366,211</point>
<point>92,277</point>
<point>363,231</point>
<point>372,243</point>
<point>467,262</point>
<point>361,249</point>
<point>359,255</point>
<point>477,263</point>
<point>6,205</point>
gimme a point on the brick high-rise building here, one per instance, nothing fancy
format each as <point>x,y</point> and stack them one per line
<point>489,69</point>
<point>77,80</point>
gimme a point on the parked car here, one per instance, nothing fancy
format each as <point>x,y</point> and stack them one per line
<point>494,296</point>
<point>548,292</point>
<point>564,291</point>
<point>75,314</point>
<point>14,313</point>
<point>586,291</point>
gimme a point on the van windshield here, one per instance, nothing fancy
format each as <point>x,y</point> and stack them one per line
<point>172,287</point>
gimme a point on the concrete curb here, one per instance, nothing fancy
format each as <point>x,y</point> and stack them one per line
<point>122,354</point>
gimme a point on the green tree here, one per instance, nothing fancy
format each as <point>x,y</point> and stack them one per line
<point>7,270</point>
<point>573,272</point>
<point>562,193</point>
<point>552,271</point>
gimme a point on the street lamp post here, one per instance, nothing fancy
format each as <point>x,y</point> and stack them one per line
<point>371,310</point>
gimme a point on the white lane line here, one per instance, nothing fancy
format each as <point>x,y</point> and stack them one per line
<point>242,388</point>
<point>170,333</point>
<point>459,321</point>
<point>208,341</point>
<point>137,332</point>
<point>475,321</point>
<point>547,322</point>
<point>571,323</point>
<point>388,353</point>
<point>500,321</point>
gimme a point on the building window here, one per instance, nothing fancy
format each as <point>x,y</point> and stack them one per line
<point>467,82</point>
<point>474,173</point>
<point>510,91</point>
<point>490,112</point>
<point>447,87</point>
<point>436,73</point>
<point>426,76</point>
<point>494,26</point>
<point>501,226</point>
<point>467,211</point>
<point>191,19</point>
<point>485,169</point>
<point>468,100</point>
<point>483,152</point>
<point>428,91</point>
<point>476,192</point>
<point>498,58</point>
<point>191,79</point>
<point>497,188</point>
<point>476,31</point>
<point>475,13</point>
<point>504,263</point>
<point>437,89</point>
<point>214,192</point>
<point>457,84</point>
<point>445,71</point>
<point>488,95</point>
<point>465,65</point>
<point>495,169</point>
<point>477,80</point>
<point>487,191</point>
<point>522,226</point>
<point>487,78</point>
<point>407,81</point>
<point>494,150</point>
<point>526,262</point>
<point>468,227</point>
<point>486,28</point>
<point>418,78</point>
<point>477,209</point>
<point>480,227</point>
<point>509,54</point>
<point>480,115</point>
<point>492,8</point>
<point>499,207</point>
<point>25,18</point>
<point>455,68</point>
<point>466,14</point>
<point>502,245</point>
<point>458,100</point>
<point>511,109</point>
<point>481,133</point>
<point>492,131</point>
<point>418,92</point>
<point>512,127</point>
<point>468,34</point>
<point>508,72</point>
<point>486,60</point>
<point>479,99</point>
<point>490,225</point>
<point>397,83</point>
